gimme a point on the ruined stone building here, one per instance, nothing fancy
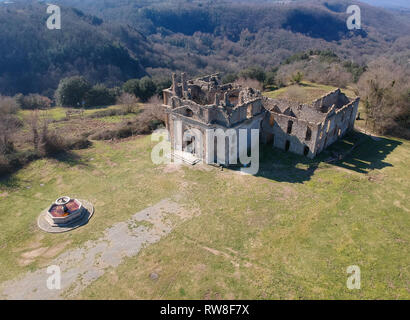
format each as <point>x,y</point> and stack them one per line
<point>206,104</point>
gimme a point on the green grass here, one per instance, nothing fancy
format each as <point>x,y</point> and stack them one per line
<point>290,232</point>
<point>307,92</point>
<point>59,113</point>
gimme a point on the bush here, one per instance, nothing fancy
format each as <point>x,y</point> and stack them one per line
<point>51,144</point>
<point>9,124</point>
<point>132,86</point>
<point>150,119</point>
<point>8,105</point>
<point>255,73</point>
<point>251,83</point>
<point>108,113</point>
<point>100,95</point>
<point>129,101</point>
<point>144,88</point>
<point>230,78</point>
<point>5,166</point>
<point>71,92</point>
<point>33,101</point>
<point>78,143</point>
<point>297,77</point>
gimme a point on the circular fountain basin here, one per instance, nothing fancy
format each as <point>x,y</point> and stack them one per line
<point>64,211</point>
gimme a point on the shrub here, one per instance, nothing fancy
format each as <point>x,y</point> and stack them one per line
<point>8,105</point>
<point>255,73</point>
<point>100,95</point>
<point>129,101</point>
<point>251,83</point>
<point>230,78</point>
<point>71,92</point>
<point>108,113</point>
<point>297,77</point>
<point>150,119</point>
<point>5,166</point>
<point>78,143</point>
<point>33,101</point>
<point>144,88</point>
<point>9,124</point>
<point>132,86</point>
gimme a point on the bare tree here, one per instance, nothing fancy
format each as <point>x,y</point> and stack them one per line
<point>154,110</point>
<point>385,89</point>
<point>251,83</point>
<point>9,124</point>
<point>33,121</point>
<point>129,101</point>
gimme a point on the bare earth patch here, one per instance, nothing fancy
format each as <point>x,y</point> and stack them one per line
<point>80,267</point>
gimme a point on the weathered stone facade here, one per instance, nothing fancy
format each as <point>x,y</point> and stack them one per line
<point>205,103</point>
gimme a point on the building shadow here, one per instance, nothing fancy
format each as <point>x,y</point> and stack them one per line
<point>363,153</point>
<point>356,151</point>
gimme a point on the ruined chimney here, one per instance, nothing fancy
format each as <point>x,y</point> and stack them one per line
<point>188,94</point>
<point>174,83</point>
<point>241,98</point>
<point>184,82</point>
<point>217,99</point>
<point>226,99</point>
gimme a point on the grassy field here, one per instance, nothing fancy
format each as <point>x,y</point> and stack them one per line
<point>60,113</point>
<point>290,232</point>
<point>305,92</point>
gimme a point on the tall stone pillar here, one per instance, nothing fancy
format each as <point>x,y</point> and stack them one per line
<point>226,99</point>
<point>184,82</point>
<point>217,99</point>
<point>174,83</point>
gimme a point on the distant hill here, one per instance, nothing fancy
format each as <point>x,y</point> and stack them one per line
<point>34,59</point>
<point>113,40</point>
<point>389,3</point>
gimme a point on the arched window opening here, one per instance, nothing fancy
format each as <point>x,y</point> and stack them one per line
<point>308,134</point>
<point>290,125</point>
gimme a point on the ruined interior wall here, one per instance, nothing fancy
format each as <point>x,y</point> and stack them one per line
<point>336,98</point>
<point>275,132</point>
<point>336,125</point>
<point>246,110</point>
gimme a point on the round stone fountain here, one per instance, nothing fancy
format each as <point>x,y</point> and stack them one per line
<point>65,214</point>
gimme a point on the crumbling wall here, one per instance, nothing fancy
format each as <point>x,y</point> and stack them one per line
<point>290,134</point>
<point>336,98</point>
<point>337,124</point>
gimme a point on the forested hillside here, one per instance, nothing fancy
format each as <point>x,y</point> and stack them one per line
<point>111,41</point>
<point>34,59</point>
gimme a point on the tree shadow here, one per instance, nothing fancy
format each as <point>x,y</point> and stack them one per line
<point>12,181</point>
<point>70,158</point>
<point>356,151</point>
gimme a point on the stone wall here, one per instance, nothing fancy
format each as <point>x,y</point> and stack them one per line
<point>290,134</point>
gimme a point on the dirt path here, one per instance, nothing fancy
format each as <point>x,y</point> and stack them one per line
<point>82,266</point>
